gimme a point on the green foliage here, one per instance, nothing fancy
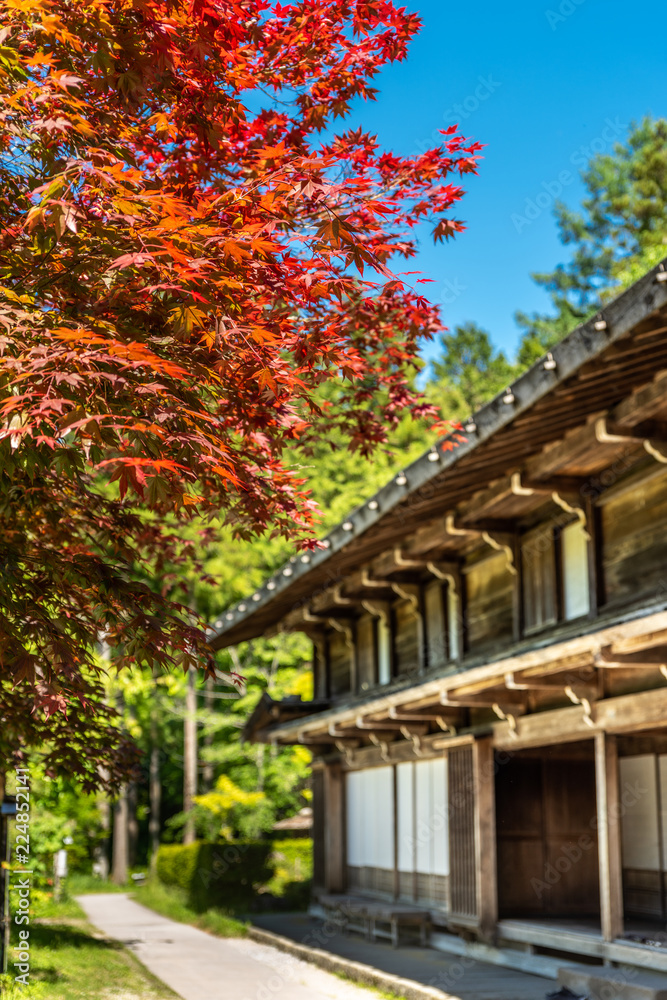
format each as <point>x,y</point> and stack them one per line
<point>171,902</point>
<point>229,805</point>
<point>231,876</point>
<point>622,222</point>
<point>293,872</point>
<point>226,876</point>
<point>63,811</point>
<point>469,372</point>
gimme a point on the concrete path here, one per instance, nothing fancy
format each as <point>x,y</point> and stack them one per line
<point>465,978</point>
<point>199,966</point>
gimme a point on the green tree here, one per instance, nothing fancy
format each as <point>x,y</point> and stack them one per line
<point>622,219</point>
<point>468,372</point>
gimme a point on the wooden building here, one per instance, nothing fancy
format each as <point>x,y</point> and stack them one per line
<point>490,658</point>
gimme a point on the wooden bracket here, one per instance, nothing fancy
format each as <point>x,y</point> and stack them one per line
<point>501,547</point>
<point>651,447</point>
<point>369,581</point>
<point>380,609</point>
<point>408,591</point>
<point>339,599</point>
<point>442,573</point>
<point>517,489</point>
<point>584,702</point>
<point>507,717</point>
<point>403,563</point>
<point>452,529</point>
<point>579,512</point>
<point>382,744</point>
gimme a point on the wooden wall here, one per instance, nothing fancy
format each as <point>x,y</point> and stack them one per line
<point>340,664</point>
<point>489,603</point>
<point>547,844</point>
<point>634,536</point>
<point>407,637</point>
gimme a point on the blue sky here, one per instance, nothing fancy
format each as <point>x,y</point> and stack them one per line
<point>543,84</point>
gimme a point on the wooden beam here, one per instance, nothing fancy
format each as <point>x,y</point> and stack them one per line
<point>609,836</point>
<point>656,657</point>
<point>630,713</point>
<point>469,696</point>
<point>485,838</point>
<point>334,837</point>
<point>642,403</point>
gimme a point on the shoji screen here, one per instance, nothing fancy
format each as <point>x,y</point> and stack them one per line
<point>642,778</point>
<point>576,596</point>
<point>384,651</point>
<point>370,829</point>
<point>423,846</point>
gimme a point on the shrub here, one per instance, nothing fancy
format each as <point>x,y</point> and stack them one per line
<point>226,876</point>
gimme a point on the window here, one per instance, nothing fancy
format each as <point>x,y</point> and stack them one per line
<point>574,550</point>
<point>384,650</point>
<point>538,564</point>
<point>554,567</point>
<point>340,663</point>
<point>407,639</point>
<point>436,624</point>
<point>366,652</point>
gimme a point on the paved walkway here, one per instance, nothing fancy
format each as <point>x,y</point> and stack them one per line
<point>198,966</point>
<point>462,977</point>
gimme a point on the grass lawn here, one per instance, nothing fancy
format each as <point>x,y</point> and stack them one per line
<point>71,961</point>
<point>170,902</point>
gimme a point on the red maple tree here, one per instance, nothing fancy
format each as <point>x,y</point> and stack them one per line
<point>190,248</point>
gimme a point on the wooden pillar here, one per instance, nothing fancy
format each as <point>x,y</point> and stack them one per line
<point>394,779</point>
<point>334,833</point>
<point>485,837</point>
<point>595,574</point>
<point>609,836</point>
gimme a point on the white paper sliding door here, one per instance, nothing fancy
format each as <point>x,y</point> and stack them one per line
<point>643,786</point>
<point>422,823</point>
<point>576,593</point>
<point>370,830</point>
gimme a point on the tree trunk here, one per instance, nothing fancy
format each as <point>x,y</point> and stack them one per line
<point>190,757</point>
<point>132,824</point>
<point>120,840</point>
<point>102,852</point>
<point>207,769</point>
<point>155,796</point>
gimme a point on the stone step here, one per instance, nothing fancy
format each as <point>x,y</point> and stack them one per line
<point>603,983</point>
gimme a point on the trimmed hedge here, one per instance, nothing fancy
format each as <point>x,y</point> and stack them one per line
<point>222,875</point>
<point>237,876</point>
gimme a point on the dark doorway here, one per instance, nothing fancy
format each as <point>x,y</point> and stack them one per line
<point>546,830</point>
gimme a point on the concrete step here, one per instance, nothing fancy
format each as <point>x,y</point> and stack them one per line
<point>603,983</point>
